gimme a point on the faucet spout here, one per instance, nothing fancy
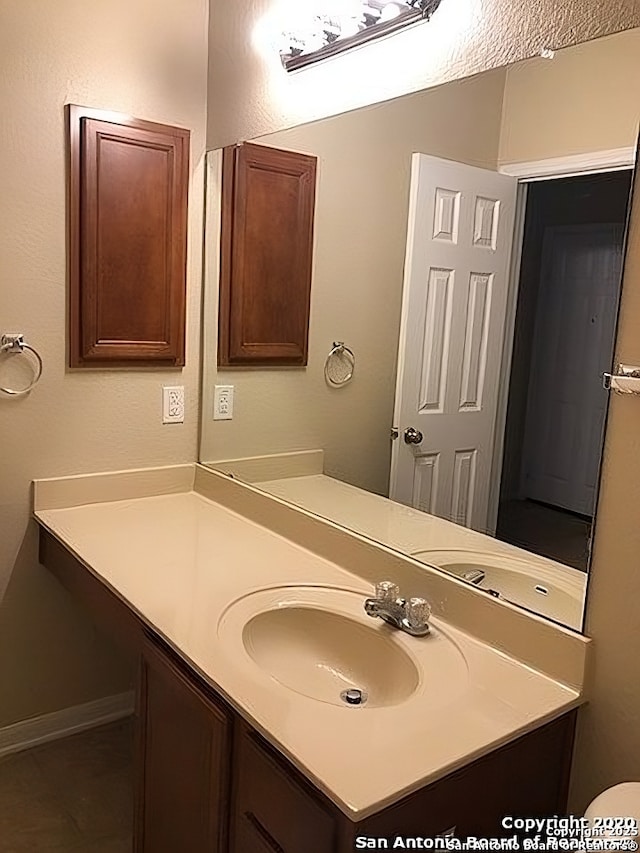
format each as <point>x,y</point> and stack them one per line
<point>390,611</point>
<point>408,616</point>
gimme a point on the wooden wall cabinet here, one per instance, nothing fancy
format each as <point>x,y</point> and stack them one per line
<point>207,782</point>
<point>127,210</point>
<point>268,199</point>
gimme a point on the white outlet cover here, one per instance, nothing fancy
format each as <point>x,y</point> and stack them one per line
<point>223,402</point>
<point>173,404</point>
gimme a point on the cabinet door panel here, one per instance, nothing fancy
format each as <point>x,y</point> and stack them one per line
<point>128,182</point>
<point>268,198</point>
<point>184,748</point>
<point>252,837</point>
<point>272,809</point>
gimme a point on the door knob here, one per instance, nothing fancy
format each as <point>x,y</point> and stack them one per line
<point>413,436</point>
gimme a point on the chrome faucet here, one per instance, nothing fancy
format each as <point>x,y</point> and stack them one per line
<point>410,616</point>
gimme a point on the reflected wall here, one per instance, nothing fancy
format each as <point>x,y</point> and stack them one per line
<point>250,94</point>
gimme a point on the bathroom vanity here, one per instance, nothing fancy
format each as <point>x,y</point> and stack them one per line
<point>242,638</point>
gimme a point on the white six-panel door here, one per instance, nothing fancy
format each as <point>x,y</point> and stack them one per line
<point>459,239</point>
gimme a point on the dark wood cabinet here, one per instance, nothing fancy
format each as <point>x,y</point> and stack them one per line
<point>272,809</point>
<point>207,782</point>
<point>184,738</point>
<point>194,752</point>
<point>275,808</point>
<point>127,203</point>
<point>268,199</point>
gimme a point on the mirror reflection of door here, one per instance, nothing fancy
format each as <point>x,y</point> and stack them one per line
<point>460,233</point>
<point>454,314</point>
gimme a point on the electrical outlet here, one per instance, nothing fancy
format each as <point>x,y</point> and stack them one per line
<point>223,403</point>
<point>173,404</point>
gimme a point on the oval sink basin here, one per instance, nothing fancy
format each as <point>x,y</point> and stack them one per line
<point>322,654</point>
<point>318,642</point>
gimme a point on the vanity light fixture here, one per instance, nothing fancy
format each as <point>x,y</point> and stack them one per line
<point>333,27</point>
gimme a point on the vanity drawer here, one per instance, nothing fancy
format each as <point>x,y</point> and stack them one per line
<point>272,811</point>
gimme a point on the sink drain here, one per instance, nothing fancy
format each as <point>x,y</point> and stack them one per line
<point>353,696</point>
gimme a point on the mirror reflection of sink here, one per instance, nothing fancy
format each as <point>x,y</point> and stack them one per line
<point>318,642</point>
<point>555,593</point>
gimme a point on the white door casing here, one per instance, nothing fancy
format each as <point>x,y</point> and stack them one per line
<point>459,241</point>
<point>572,347</point>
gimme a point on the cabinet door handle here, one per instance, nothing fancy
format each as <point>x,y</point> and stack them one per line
<point>264,833</point>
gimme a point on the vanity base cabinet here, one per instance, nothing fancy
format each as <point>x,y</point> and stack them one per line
<point>528,777</point>
<point>183,761</point>
<point>276,810</point>
<point>273,809</point>
<point>207,782</point>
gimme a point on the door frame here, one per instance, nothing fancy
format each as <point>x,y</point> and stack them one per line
<point>554,168</point>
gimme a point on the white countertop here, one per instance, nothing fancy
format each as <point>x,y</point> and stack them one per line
<point>180,559</point>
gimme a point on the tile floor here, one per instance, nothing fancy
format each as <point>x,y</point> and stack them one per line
<point>546,530</point>
<point>70,795</point>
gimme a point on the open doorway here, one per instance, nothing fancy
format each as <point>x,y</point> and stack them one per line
<point>568,295</point>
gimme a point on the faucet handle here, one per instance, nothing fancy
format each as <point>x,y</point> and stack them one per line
<point>418,611</point>
<point>387,591</point>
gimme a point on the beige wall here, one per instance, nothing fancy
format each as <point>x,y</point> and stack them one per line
<point>585,100</point>
<point>361,220</point>
<point>147,58</point>
<point>250,94</point>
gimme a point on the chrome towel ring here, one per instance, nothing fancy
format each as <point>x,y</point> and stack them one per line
<point>15,344</point>
<point>340,364</point>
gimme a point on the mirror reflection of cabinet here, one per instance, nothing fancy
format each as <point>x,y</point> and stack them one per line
<point>268,198</point>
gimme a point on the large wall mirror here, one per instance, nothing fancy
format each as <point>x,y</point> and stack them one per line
<point>468,251</point>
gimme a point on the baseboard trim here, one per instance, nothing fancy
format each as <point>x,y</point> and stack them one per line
<point>68,721</point>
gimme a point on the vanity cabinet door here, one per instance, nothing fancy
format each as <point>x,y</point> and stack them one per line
<point>272,812</point>
<point>184,752</point>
